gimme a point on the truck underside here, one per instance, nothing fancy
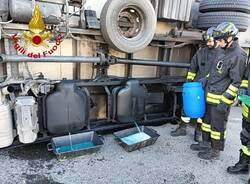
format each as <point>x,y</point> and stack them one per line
<point>36,108</point>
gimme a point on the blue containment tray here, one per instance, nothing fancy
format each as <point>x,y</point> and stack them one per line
<point>75,145</point>
<point>131,139</point>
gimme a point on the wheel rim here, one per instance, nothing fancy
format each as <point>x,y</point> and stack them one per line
<point>130,22</point>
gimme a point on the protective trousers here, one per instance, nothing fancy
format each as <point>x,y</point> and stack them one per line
<point>245,136</point>
<point>214,127</point>
<point>197,122</point>
<point>185,120</point>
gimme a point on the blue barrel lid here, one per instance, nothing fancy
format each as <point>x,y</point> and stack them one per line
<point>192,84</point>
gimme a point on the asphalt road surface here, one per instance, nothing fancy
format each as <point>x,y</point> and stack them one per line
<point>168,161</point>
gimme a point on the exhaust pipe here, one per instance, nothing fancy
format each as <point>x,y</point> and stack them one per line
<point>11,89</point>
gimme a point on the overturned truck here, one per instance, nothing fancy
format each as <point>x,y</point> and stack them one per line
<point>71,66</point>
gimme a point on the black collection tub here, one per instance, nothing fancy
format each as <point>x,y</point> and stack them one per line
<point>122,137</point>
<point>75,145</point>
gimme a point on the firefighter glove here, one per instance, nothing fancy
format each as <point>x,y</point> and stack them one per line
<point>222,107</point>
<point>242,91</point>
<point>203,81</point>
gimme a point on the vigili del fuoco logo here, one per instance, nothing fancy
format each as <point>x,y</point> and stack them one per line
<point>37,36</point>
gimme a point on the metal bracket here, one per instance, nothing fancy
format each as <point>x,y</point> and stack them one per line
<point>102,67</point>
<point>111,59</point>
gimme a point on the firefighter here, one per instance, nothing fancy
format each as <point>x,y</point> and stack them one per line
<point>222,87</point>
<point>199,68</point>
<point>242,166</point>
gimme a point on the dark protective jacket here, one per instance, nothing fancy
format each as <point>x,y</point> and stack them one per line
<point>226,75</point>
<point>245,84</point>
<point>201,63</point>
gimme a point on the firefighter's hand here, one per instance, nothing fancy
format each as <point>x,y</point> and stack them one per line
<point>242,91</point>
<point>222,107</point>
<point>245,137</point>
<point>248,123</point>
<point>189,80</point>
<point>203,81</point>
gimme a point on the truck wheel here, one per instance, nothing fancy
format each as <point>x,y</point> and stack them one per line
<point>225,5</point>
<point>128,25</point>
<point>206,20</point>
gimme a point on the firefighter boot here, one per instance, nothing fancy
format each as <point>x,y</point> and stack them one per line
<point>201,146</point>
<point>180,130</point>
<point>211,154</point>
<point>240,167</point>
<point>197,134</point>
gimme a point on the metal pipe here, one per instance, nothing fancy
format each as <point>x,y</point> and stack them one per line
<point>153,63</point>
<point>11,89</point>
<point>86,59</point>
<point>14,88</point>
<point>5,91</point>
<point>49,59</point>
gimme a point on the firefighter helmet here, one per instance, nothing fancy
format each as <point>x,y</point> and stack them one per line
<point>208,36</point>
<point>225,30</point>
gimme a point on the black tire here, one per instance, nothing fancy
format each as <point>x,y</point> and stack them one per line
<point>132,39</point>
<point>207,20</point>
<point>225,5</point>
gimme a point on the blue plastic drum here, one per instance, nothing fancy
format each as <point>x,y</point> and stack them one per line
<point>194,100</point>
